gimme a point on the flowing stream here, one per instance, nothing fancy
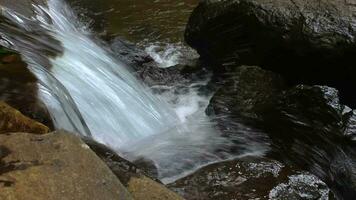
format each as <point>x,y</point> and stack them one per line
<point>91,93</point>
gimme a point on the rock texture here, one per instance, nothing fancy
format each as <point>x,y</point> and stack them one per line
<point>11,120</point>
<point>308,125</point>
<point>309,42</point>
<point>251,178</point>
<point>143,188</point>
<point>54,166</point>
<point>19,88</point>
<point>247,91</point>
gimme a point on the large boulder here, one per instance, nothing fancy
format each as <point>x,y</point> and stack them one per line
<point>54,166</point>
<point>250,178</point>
<point>307,41</point>
<point>11,120</point>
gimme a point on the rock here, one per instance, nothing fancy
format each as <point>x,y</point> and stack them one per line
<point>247,91</point>
<point>307,126</point>
<point>129,53</point>
<point>54,166</point>
<point>121,167</point>
<point>311,42</point>
<point>133,176</point>
<point>143,188</point>
<point>310,124</point>
<point>251,178</point>
<point>11,120</point>
<point>19,89</point>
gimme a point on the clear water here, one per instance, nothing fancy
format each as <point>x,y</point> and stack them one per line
<point>89,92</point>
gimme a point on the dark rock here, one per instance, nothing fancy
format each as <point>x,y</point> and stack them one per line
<point>129,53</point>
<point>247,91</point>
<point>19,88</point>
<point>310,128</point>
<point>121,167</point>
<point>312,42</point>
<point>251,178</point>
<point>307,125</point>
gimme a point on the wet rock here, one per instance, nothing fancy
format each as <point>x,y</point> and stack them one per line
<point>11,120</point>
<point>54,166</point>
<point>247,91</point>
<point>129,53</point>
<point>121,167</point>
<point>251,178</point>
<point>300,186</point>
<point>307,126</point>
<point>311,42</point>
<point>18,88</point>
<point>134,176</point>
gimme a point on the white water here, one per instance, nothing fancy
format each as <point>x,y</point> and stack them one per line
<point>90,92</point>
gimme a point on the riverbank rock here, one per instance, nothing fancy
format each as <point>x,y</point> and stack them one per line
<point>54,166</point>
<point>11,120</point>
<point>140,182</point>
<point>250,178</point>
<point>310,42</point>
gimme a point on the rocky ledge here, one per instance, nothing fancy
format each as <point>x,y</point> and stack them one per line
<point>310,42</point>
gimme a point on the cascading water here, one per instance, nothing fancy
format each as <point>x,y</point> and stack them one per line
<point>90,92</point>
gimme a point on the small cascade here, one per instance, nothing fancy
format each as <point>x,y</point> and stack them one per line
<point>89,92</point>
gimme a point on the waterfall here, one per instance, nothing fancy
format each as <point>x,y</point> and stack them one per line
<point>89,92</point>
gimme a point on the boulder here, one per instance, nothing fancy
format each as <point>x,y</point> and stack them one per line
<point>11,120</point>
<point>250,178</point>
<point>54,166</point>
<point>310,42</point>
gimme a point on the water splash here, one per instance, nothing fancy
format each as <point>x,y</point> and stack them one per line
<point>90,92</point>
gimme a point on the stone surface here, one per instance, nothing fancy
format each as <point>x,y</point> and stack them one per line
<point>19,88</point>
<point>246,91</point>
<point>251,178</point>
<point>143,188</point>
<point>11,120</point>
<point>54,166</point>
<point>310,42</point>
